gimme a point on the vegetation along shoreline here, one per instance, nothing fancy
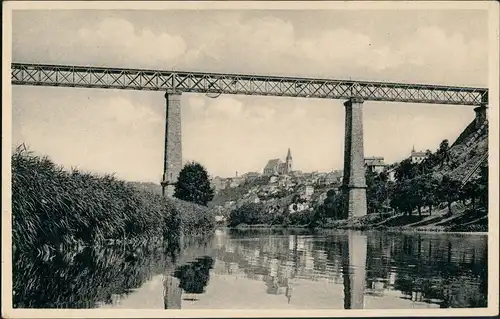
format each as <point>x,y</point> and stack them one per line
<point>57,209</point>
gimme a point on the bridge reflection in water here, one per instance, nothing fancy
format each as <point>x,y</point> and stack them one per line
<point>278,277</point>
<point>353,269</point>
<point>362,270</point>
<point>266,270</point>
<point>281,273</point>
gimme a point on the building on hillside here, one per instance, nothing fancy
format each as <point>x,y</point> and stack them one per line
<point>218,183</point>
<point>298,207</point>
<point>306,191</point>
<point>254,199</point>
<point>272,167</point>
<point>273,179</point>
<point>228,204</point>
<point>375,164</point>
<point>277,167</point>
<point>309,191</point>
<point>220,218</point>
<point>285,181</point>
<point>338,175</point>
<point>417,157</point>
<point>321,174</point>
<point>235,182</point>
<point>391,174</point>
<point>296,173</point>
<point>322,197</point>
<point>333,177</point>
<point>250,176</point>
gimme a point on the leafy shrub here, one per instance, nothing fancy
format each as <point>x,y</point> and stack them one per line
<point>193,184</point>
<point>248,213</point>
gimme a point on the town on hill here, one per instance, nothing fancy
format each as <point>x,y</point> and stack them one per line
<point>443,189</point>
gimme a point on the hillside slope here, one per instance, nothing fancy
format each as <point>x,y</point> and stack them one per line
<point>469,148</point>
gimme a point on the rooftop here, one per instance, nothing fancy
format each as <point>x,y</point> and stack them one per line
<point>418,154</point>
<point>272,163</point>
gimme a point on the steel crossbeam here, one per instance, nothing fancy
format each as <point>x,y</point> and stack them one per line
<point>156,80</point>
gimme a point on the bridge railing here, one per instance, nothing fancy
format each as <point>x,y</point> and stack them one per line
<point>156,80</point>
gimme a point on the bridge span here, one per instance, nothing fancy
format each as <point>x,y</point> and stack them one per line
<point>174,83</point>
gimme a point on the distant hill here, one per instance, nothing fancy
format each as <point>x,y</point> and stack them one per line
<point>236,193</point>
<point>151,187</point>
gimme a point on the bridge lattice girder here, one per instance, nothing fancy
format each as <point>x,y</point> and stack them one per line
<point>156,80</point>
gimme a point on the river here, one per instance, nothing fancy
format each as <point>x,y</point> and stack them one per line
<point>266,269</point>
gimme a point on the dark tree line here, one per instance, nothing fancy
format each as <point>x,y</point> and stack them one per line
<point>417,187</point>
<point>414,188</point>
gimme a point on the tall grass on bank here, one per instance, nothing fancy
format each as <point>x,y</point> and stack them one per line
<point>55,207</point>
<point>194,218</point>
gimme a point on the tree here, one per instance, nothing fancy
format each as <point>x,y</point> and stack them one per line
<point>193,185</point>
<point>430,161</point>
<point>483,186</point>
<point>444,152</point>
<point>423,190</point>
<point>430,186</point>
<point>194,276</point>
<point>318,216</point>
<point>332,207</point>
<point>470,191</point>
<point>449,191</point>
<point>384,177</point>
<point>248,213</point>
<point>417,193</point>
<point>402,197</point>
<point>406,170</point>
<point>376,191</point>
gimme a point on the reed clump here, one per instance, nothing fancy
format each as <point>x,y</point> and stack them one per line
<point>56,208</point>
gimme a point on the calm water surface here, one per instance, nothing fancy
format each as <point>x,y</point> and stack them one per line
<point>267,270</point>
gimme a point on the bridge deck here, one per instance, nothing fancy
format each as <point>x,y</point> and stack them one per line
<point>158,80</point>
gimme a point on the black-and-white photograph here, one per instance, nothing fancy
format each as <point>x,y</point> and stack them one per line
<point>257,155</point>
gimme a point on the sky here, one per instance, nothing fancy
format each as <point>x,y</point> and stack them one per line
<point>122,132</point>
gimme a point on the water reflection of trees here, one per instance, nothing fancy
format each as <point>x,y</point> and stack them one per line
<point>83,279</point>
<point>194,276</point>
<point>191,278</point>
<point>92,276</point>
<point>447,270</point>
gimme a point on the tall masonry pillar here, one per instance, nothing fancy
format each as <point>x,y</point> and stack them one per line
<point>354,183</point>
<point>172,160</point>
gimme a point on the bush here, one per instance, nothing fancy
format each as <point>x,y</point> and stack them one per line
<point>301,218</point>
<point>248,213</point>
<point>193,185</point>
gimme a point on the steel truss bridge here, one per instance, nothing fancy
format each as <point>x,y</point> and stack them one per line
<point>176,82</point>
<point>218,83</point>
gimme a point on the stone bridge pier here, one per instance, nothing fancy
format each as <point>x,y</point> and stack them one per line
<point>172,159</point>
<point>354,250</point>
<point>354,182</point>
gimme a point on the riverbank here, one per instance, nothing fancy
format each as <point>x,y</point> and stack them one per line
<point>462,221</point>
<point>60,209</point>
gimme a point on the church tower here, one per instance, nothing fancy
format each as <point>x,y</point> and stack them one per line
<point>289,162</point>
